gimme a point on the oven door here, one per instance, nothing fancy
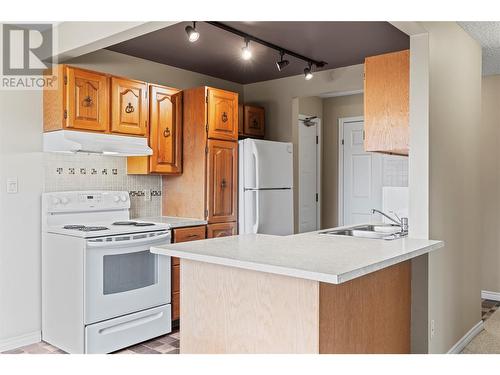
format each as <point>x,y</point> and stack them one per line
<point>122,276</point>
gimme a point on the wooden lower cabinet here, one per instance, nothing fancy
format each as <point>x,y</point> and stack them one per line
<point>182,235</point>
<point>221,230</point>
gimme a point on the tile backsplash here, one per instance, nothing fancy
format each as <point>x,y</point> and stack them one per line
<point>65,172</point>
<point>394,170</point>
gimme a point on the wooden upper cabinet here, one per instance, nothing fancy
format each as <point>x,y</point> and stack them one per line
<point>165,106</point>
<point>80,102</point>
<point>129,107</point>
<point>253,124</point>
<point>88,101</point>
<point>222,114</point>
<point>222,175</point>
<point>386,97</point>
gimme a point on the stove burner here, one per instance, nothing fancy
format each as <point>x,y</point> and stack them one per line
<point>92,229</point>
<point>134,223</point>
<point>84,228</point>
<point>78,227</point>
<point>125,223</point>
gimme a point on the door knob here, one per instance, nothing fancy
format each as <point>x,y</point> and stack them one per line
<point>166,132</point>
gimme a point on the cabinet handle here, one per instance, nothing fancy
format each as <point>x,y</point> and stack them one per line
<point>255,124</point>
<point>166,133</point>
<point>223,183</point>
<point>87,102</point>
<point>224,117</point>
<point>129,108</point>
<point>192,236</point>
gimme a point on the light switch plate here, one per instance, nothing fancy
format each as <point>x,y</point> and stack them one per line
<point>12,185</point>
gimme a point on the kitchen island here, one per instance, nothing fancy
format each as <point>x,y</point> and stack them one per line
<point>305,293</point>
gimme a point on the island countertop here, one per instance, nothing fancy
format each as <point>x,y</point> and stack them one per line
<point>312,256</point>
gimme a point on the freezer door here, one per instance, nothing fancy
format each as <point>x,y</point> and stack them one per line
<point>267,212</point>
<point>267,164</point>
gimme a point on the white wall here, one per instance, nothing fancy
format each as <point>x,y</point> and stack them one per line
<point>20,157</point>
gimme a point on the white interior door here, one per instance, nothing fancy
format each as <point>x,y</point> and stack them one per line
<point>362,177</point>
<point>309,176</point>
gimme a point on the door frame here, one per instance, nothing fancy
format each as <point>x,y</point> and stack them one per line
<point>318,169</point>
<point>340,181</point>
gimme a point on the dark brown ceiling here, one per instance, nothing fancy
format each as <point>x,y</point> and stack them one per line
<point>218,53</point>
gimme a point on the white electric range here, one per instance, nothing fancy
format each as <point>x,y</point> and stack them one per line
<point>102,289</point>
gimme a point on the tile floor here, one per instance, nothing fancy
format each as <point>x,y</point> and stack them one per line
<point>167,344</point>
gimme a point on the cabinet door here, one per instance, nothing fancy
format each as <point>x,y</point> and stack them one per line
<point>165,117</point>
<point>129,107</point>
<point>221,230</point>
<point>254,121</point>
<point>182,235</point>
<point>386,97</point>
<point>222,180</point>
<point>87,100</point>
<point>222,114</point>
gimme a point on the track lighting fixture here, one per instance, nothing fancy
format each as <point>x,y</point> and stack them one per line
<point>246,54</point>
<point>192,33</point>
<point>307,72</point>
<point>282,63</point>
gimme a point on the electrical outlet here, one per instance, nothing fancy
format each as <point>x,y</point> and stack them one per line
<point>147,195</point>
<point>12,185</point>
<point>433,328</point>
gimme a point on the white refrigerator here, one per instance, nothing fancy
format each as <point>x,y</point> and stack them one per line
<point>265,187</point>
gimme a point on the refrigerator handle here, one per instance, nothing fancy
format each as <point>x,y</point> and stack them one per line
<point>256,223</point>
<point>255,155</point>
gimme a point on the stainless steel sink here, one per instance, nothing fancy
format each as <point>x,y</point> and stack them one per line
<point>384,232</point>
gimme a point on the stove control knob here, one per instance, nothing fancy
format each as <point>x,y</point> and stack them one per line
<point>116,198</point>
<point>124,198</point>
<point>64,200</point>
<point>55,201</point>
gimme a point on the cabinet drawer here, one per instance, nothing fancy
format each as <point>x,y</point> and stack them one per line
<point>221,230</point>
<point>176,278</point>
<point>189,234</point>
<point>175,306</point>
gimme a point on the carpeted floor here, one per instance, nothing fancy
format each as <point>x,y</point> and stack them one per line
<point>488,341</point>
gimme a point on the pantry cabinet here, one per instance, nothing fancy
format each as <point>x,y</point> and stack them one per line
<point>222,180</point>
<point>386,103</point>
<point>129,107</point>
<point>222,116</point>
<point>207,188</point>
<point>165,134</point>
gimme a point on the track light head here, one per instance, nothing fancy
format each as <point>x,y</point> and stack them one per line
<point>246,54</point>
<point>308,73</point>
<point>193,34</point>
<point>282,63</point>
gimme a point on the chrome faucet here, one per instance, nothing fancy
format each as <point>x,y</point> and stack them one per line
<point>401,222</point>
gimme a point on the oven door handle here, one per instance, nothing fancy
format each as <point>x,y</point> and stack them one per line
<point>127,243</point>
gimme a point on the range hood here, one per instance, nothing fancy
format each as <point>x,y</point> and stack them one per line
<point>73,141</point>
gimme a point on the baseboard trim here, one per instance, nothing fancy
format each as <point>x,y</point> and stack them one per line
<point>22,340</point>
<point>486,294</point>
<point>467,338</point>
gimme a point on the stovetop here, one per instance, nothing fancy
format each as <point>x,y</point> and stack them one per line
<point>90,230</point>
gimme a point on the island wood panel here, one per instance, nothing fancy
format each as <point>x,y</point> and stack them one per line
<point>231,310</point>
<point>184,195</point>
<point>370,314</point>
<point>386,103</point>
